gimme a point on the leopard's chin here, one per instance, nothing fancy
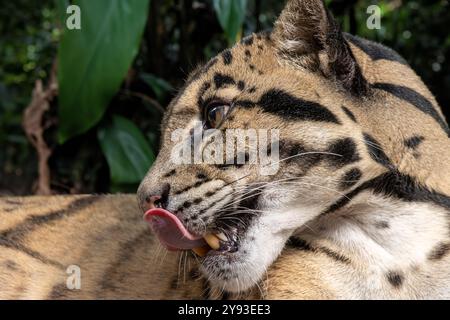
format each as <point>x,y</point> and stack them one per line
<point>231,271</point>
<point>242,268</point>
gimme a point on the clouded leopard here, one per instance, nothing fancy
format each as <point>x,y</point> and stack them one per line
<point>358,208</point>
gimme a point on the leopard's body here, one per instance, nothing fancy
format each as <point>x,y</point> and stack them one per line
<point>358,209</point>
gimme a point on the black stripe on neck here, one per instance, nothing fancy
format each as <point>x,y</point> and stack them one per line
<point>394,184</point>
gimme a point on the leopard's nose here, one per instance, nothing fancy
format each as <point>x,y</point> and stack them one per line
<point>152,202</point>
<point>155,198</point>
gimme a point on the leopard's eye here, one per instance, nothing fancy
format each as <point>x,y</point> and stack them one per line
<point>215,114</point>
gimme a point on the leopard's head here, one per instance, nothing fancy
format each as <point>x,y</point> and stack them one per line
<point>301,92</point>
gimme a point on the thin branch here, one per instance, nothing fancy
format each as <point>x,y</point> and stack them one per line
<point>34,126</point>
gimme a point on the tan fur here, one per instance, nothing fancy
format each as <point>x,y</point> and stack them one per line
<point>117,253</point>
<point>308,58</point>
<point>381,244</point>
<point>391,125</point>
<point>105,236</point>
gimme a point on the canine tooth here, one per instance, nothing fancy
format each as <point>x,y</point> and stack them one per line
<point>212,240</point>
<point>221,236</point>
<point>201,251</point>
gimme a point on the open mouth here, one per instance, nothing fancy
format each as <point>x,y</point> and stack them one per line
<point>174,235</point>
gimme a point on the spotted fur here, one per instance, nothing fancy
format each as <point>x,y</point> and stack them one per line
<point>359,208</point>
<point>119,258</point>
<point>362,195</point>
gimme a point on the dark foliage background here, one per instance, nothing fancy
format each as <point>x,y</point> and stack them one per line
<point>178,35</point>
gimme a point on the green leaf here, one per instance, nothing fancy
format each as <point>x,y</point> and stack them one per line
<point>126,150</point>
<point>159,86</point>
<point>94,61</point>
<point>231,14</point>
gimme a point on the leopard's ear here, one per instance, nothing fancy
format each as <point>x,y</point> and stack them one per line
<point>306,35</point>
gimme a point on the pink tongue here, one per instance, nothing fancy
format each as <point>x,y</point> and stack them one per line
<point>171,232</point>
